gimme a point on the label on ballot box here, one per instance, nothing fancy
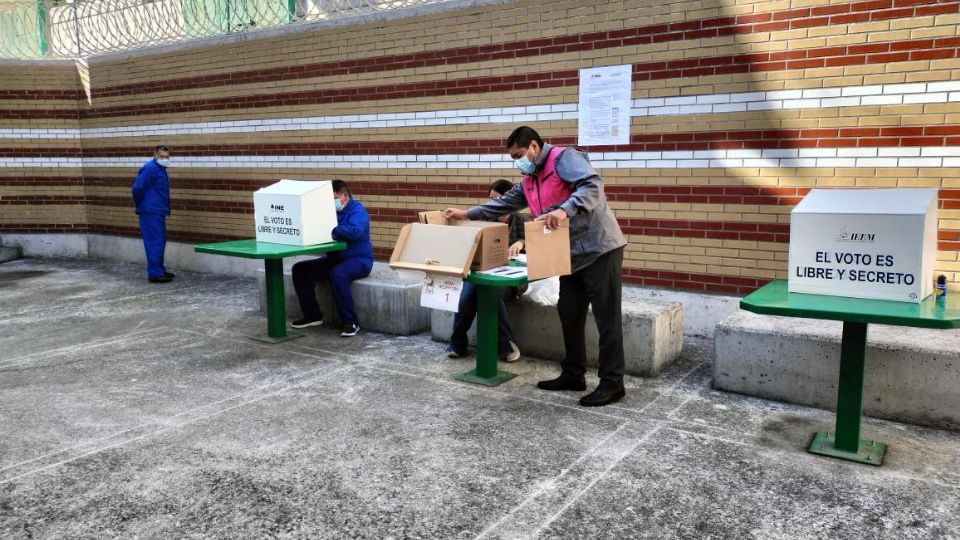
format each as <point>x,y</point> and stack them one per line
<point>441,292</point>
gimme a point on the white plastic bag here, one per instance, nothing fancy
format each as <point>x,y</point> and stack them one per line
<point>545,292</point>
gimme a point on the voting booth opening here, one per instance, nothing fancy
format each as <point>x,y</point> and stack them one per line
<point>864,243</point>
<point>295,213</point>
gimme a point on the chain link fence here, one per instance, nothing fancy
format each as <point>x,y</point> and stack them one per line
<point>76,28</point>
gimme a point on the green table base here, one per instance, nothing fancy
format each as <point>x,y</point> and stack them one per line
<point>868,451</point>
<point>267,338</point>
<point>486,372</point>
<point>499,378</point>
<point>272,255</point>
<point>774,299</point>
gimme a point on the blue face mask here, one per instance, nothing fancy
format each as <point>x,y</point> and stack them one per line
<point>524,165</point>
<point>338,204</point>
<point>163,162</point>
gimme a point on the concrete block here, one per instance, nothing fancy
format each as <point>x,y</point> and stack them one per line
<point>383,300</point>
<point>652,333</point>
<point>10,253</point>
<point>912,374</point>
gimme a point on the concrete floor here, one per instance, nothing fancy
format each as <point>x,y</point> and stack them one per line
<point>138,410</point>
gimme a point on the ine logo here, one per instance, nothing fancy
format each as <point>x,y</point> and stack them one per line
<point>276,208</point>
<point>846,235</point>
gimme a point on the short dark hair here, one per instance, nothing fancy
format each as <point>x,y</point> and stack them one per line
<point>501,186</point>
<point>161,148</point>
<point>339,186</point>
<point>523,136</point>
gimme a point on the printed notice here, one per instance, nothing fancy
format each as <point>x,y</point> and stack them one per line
<point>604,106</point>
<point>441,292</point>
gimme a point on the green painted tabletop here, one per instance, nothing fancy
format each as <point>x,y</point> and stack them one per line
<point>251,249</point>
<point>773,299</point>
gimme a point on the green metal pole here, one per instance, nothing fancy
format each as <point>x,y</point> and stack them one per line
<point>487,315</point>
<point>276,308</point>
<point>42,27</point>
<point>853,352</point>
<point>291,10</point>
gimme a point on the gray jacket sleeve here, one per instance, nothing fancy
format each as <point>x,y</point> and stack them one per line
<point>574,168</point>
<point>507,203</point>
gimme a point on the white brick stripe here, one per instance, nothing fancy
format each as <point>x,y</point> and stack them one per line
<point>850,96</point>
<point>893,157</point>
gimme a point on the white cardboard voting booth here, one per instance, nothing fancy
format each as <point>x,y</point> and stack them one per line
<point>864,243</point>
<point>295,213</point>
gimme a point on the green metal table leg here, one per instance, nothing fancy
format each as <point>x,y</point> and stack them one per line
<point>487,320</point>
<point>276,304</point>
<point>846,442</point>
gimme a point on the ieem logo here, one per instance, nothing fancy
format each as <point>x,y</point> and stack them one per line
<point>846,235</point>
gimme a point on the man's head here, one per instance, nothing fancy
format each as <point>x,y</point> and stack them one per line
<point>524,145</point>
<point>341,195</point>
<point>161,153</point>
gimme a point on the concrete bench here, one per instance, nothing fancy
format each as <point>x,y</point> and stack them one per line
<point>912,374</point>
<point>652,332</point>
<point>384,301</point>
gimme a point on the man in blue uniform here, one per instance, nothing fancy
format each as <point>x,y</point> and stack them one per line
<point>338,267</point>
<point>151,194</point>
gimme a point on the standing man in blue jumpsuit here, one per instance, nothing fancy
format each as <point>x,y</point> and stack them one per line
<point>338,267</point>
<point>151,194</point>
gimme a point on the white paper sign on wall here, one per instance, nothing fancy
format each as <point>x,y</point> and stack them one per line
<point>864,243</point>
<point>441,292</point>
<point>604,106</point>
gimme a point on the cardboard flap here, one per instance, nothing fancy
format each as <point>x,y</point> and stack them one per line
<point>433,217</point>
<point>436,249</point>
<point>548,251</point>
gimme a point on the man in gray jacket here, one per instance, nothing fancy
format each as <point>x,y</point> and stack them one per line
<point>560,184</point>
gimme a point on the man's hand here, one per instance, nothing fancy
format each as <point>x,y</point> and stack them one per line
<point>455,213</point>
<point>554,219</point>
<point>514,249</point>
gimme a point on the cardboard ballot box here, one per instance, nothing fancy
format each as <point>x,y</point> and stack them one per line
<point>864,243</point>
<point>494,239</point>
<point>442,249</point>
<point>295,213</point>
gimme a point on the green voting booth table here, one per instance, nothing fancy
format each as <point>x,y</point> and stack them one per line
<point>856,314</point>
<point>272,255</point>
<point>486,372</point>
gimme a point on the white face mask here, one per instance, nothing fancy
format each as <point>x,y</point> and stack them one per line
<point>163,162</point>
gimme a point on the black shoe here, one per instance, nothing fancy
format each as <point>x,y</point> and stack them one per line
<point>161,279</point>
<point>170,275</point>
<point>306,323</point>
<point>350,330</point>
<point>454,352</point>
<point>605,394</point>
<point>563,382</point>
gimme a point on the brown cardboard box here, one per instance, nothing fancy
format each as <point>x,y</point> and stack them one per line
<point>548,251</point>
<point>494,239</point>
<point>437,249</point>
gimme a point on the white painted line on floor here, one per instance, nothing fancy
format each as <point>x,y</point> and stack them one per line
<point>177,426</point>
<point>41,355</point>
<point>544,485</point>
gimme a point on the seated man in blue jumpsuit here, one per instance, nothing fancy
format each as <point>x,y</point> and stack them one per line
<point>338,267</point>
<point>151,194</point>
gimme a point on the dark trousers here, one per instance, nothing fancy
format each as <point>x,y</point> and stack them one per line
<point>598,285</point>
<point>339,273</point>
<point>467,312</point>
<point>153,230</point>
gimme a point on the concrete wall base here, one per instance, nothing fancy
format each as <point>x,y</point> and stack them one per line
<point>383,301</point>
<point>912,374</point>
<point>652,333</point>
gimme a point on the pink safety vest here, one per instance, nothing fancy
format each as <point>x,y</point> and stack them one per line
<point>546,190</point>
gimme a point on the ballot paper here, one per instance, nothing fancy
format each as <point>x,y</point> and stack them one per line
<point>441,292</point>
<point>604,107</point>
<point>507,272</point>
